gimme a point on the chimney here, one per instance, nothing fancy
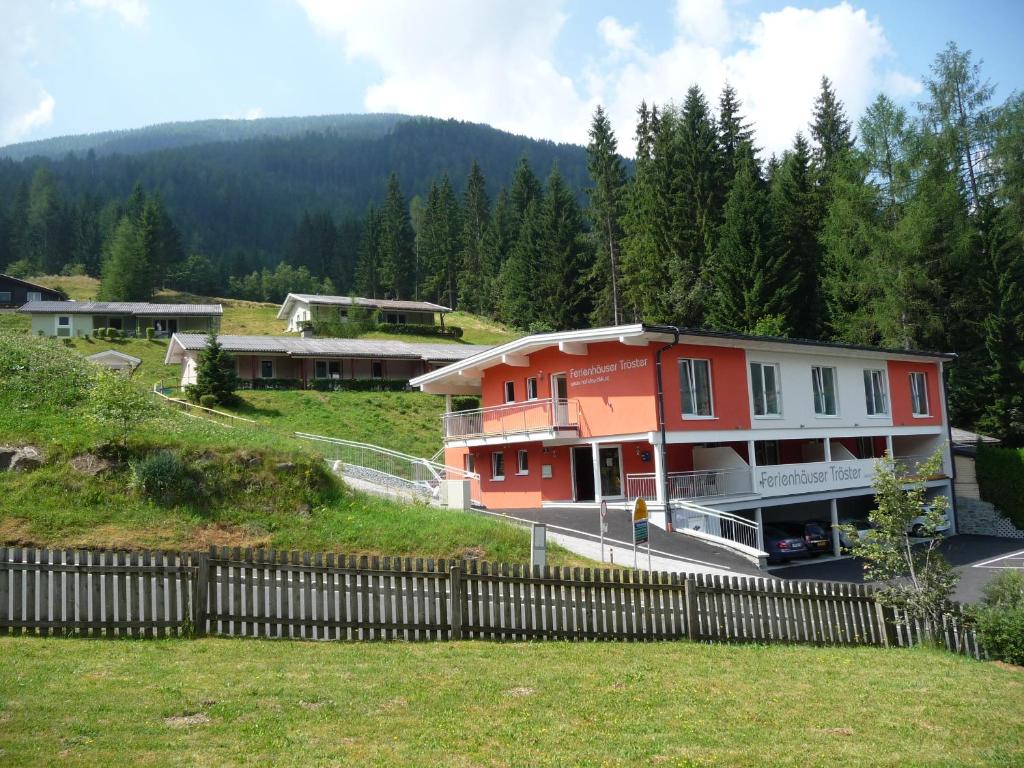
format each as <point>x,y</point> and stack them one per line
<point>306,332</point>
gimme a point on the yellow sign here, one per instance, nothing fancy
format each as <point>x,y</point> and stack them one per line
<point>640,510</point>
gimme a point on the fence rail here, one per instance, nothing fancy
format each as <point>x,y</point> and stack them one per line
<point>333,597</point>
<point>699,484</point>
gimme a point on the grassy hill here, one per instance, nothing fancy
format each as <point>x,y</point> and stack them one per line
<point>237,487</point>
<point>267,702</point>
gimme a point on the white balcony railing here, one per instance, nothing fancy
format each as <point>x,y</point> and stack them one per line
<point>714,522</point>
<point>512,419</point>
<point>701,484</point>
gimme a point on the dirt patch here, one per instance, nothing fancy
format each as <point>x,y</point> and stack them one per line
<point>313,706</point>
<point>15,532</point>
<point>1011,667</point>
<point>183,721</point>
<point>473,553</point>
<point>521,692</point>
<point>836,731</point>
<point>90,464</point>
<point>225,535</point>
<point>399,703</point>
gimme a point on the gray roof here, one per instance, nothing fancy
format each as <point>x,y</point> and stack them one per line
<point>298,347</point>
<point>360,301</point>
<point>137,308</point>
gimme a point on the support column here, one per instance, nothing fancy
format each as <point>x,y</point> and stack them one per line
<point>888,446</point>
<point>759,519</point>
<point>836,549</point>
<point>827,443</point>
<point>447,403</point>
<point>595,452</point>
<point>752,461</point>
<point>659,474</point>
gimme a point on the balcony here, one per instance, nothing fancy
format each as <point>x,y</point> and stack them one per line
<point>546,417</point>
<point>702,484</point>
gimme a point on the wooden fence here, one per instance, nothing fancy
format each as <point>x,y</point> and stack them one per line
<point>333,597</point>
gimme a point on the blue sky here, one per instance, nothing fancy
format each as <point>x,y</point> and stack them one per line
<point>534,66</point>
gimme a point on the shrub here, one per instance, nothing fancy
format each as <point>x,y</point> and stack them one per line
<point>465,403</point>
<point>208,401</point>
<point>119,403</point>
<point>38,372</point>
<point>163,477</point>
<point>215,374</point>
<point>150,333</point>
<point>1001,617</point>
<point>113,333</point>
<point>359,385</point>
<point>1001,479</point>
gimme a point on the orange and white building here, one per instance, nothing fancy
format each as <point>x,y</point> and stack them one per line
<point>748,429</point>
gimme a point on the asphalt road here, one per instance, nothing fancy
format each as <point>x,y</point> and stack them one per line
<point>977,559</point>
<point>584,523</point>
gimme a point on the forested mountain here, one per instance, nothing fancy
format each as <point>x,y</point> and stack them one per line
<point>903,228</point>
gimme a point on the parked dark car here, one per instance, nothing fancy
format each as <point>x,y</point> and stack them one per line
<point>782,545</point>
<point>815,535</point>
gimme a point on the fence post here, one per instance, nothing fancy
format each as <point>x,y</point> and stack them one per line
<point>886,624</point>
<point>455,586</point>
<point>202,588</point>
<point>690,593</point>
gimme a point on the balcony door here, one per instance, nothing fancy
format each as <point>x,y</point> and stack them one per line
<point>559,402</point>
<point>583,472</point>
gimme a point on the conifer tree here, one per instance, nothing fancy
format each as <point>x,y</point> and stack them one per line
<point>367,277</point>
<point>525,188</point>
<point>733,132</point>
<point>215,374</point>
<point>439,244</point>
<point>607,200</point>
<point>396,247</point>
<point>518,294</point>
<point>752,281</point>
<point>830,131</point>
<point>563,301</point>
<point>474,295</point>
<point>127,273</point>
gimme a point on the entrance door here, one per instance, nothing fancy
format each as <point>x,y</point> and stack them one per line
<point>560,402</point>
<point>583,473</point>
<point>611,472</point>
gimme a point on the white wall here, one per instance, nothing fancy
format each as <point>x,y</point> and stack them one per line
<point>798,394</point>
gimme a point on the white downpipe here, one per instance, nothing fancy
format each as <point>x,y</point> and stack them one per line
<point>595,452</point>
<point>659,474</point>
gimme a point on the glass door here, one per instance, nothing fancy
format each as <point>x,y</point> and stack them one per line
<point>611,472</point>
<point>559,400</point>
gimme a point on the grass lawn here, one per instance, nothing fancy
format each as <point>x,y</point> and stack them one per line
<point>251,702</point>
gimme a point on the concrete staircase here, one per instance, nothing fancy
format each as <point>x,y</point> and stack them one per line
<point>982,518</point>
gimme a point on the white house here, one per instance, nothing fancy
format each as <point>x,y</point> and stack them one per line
<point>299,308</point>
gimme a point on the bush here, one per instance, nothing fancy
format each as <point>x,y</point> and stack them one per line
<point>465,403</point>
<point>208,401</point>
<point>150,333</point>
<point>1001,479</point>
<point>163,477</point>
<point>414,329</point>
<point>360,385</point>
<point>1001,618</point>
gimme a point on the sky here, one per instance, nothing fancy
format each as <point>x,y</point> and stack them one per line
<point>534,67</point>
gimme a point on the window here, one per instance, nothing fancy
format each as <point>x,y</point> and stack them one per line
<point>497,466</point>
<point>875,394</point>
<point>327,369</point>
<point>64,325</point>
<point>266,369</point>
<point>695,387</point>
<point>378,369</point>
<point>823,380</point>
<point>395,318</point>
<point>764,382</point>
<point>5,297</point>
<point>766,452</point>
<point>64,320</point>
<point>320,369</point>
<point>531,389</point>
<point>523,462</point>
<point>919,394</point>
<point>866,448</point>
<point>32,296</point>
<point>510,391</point>
<point>470,462</point>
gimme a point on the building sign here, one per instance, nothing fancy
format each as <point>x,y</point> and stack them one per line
<point>603,372</point>
<point>812,478</point>
<point>641,534</point>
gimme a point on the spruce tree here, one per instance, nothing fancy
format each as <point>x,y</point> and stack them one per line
<point>396,246</point>
<point>733,132</point>
<point>367,275</point>
<point>473,283</point>
<point>439,244</point>
<point>562,296</point>
<point>830,131</point>
<point>215,374</point>
<point>607,201</point>
<point>519,297</point>
<point>752,281</point>
<point>127,273</point>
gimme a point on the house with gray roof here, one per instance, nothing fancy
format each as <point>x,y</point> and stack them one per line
<point>130,318</point>
<point>301,308</point>
<point>284,362</point>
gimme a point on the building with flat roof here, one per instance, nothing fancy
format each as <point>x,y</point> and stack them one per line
<point>130,318</point>
<point>290,362</point>
<point>757,430</point>
<point>301,308</point>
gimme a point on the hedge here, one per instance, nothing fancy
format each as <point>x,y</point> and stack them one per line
<point>329,385</point>
<point>1001,479</point>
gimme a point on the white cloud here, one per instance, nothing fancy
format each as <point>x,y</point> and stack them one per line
<point>252,113</point>
<point>494,63</point>
<point>132,12</point>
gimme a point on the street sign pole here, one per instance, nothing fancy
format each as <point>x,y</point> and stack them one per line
<point>641,532</point>
<point>602,523</point>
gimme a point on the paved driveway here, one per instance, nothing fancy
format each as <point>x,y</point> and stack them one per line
<point>688,553</point>
<point>976,558</point>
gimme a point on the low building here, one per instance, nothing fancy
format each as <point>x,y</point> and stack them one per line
<point>81,318</point>
<point>756,430</point>
<point>116,361</point>
<point>301,308</point>
<point>14,292</point>
<point>283,362</point>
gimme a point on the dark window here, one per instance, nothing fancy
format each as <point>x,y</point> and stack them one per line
<point>523,459</point>
<point>5,297</point>
<point>498,466</point>
<point>531,389</point>
<point>510,391</point>
<point>378,370</point>
<point>320,369</point>
<point>766,452</point>
<point>266,369</point>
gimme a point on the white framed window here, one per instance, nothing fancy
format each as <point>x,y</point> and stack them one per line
<point>695,388</point>
<point>531,388</point>
<point>522,462</point>
<point>469,461</point>
<point>266,369</point>
<point>919,394</point>
<point>33,296</point>
<point>823,383</point>
<point>497,466</point>
<point>327,369</point>
<point>766,389</point>
<point>510,391</point>
<point>64,325</point>
<point>876,394</point>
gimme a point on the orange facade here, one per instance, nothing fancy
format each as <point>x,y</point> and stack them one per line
<point>900,394</point>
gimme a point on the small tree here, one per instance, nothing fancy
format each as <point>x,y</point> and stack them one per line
<point>215,374</point>
<point>917,578</point>
<point>116,402</point>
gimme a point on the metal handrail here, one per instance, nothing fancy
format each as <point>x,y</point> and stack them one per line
<point>158,390</point>
<point>421,473</point>
<point>715,522</point>
<point>512,418</point>
<point>698,484</point>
